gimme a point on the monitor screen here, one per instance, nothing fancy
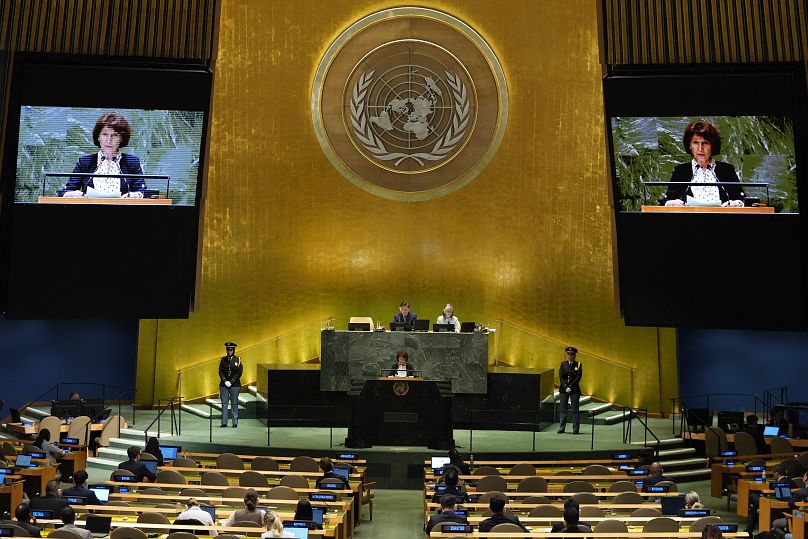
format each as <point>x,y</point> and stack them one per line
<point>440,461</point>
<point>170,451</point>
<point>151,465</point>
<point>101,492</point>
<point>771,430</point>
<point>343,472</point>
<point>159,150</point>
<point>211,510</point>
<point>23,461</point>
<point>317,512</point>
<point>300,533</point>
<point>782,492</point>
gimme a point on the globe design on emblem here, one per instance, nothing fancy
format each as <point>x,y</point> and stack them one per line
<point>410,113</point>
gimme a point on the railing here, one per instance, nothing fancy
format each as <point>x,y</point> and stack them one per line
<point>297,346</point>
<point>56,392</point>
<point>641,415</point>
<point>679,406</point>
<point>534,414</point>
<point>605,379</point>
<point>176,416</point>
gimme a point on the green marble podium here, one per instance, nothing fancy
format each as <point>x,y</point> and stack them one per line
<point>461,358</point>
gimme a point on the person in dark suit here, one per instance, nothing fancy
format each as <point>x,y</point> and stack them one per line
<point>135,466</point>
<point>451,480</point>
<point>655,475</point>
<point>80,489</point>
<point>569,390</point>
<point>780,525</point>
<point>402,366</point>
<point>702,141</point>
<point>570,504</point>
<point>780,476</point>
<point>753,429</point>
<point>404,314</point>
<point>446,514</point>
<point>571,524</point>
<point>328,473</point>
<point>230,371</point>
<point>23,515</point>
<point>497,506</point>
<point>51,501</point>
<point>111,133</point>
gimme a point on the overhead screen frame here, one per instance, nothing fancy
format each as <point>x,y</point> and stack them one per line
<point>651,275</point>
<point>159,268</point>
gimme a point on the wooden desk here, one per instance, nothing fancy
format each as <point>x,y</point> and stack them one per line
<point>36,479</point>
<point>704,209</point>
<point>795,442</point>
<point>798,525</point>
<point>11,496</point>
<point>745,487</point>
<point>599,535</point>
<point>765,511</point>
<point>237,530</point>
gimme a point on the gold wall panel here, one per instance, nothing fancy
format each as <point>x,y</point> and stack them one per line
<point>287,241</point>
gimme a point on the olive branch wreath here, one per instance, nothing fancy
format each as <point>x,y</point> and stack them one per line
<point>375,145</point>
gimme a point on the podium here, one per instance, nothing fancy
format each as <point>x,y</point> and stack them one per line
<point>400,411</point>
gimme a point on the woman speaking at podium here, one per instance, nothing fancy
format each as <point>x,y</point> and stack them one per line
<point>111,133</point>
<point>702,141</point>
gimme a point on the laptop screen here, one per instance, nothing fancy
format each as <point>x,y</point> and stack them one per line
<point>210,509</point>
<point>771,430</point>
<point>342,472</point>
<point>98,524</point>
<point>23,461</point>
<point>300,533</point>
<point>101,492</point>
<point>671,505</point>
<point>2,478</point>
<point>440,462</point>
<point>170,451</point>
<point>782,492</point>
<point>317,512</point>
<point>151,465</point>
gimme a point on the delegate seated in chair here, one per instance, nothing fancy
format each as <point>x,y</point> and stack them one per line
<point>497,506</point>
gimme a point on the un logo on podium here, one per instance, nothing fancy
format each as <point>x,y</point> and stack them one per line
<point>409,103</point>
<point>400,389</point>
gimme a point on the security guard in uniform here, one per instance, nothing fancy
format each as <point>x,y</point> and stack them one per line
<point>230,370</point>
<point>569,390</point>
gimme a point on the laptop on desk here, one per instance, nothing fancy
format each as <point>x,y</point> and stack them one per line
<point>443,328</point>
<point>671,505</point>
<point>170,452</point>
<point>420,325</point>
<point>467,327</point>
<point>23,461</point>
<point>98,525</point>
<point>400,326</point>
<point>101,492</point>
<point>770,431</point>
<point>782,492</point>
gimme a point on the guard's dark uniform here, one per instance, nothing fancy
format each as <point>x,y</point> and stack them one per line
<point>230,370</point>
<point>569,374</point>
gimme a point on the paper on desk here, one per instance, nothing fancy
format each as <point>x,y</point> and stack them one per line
<point>691,201</point>
<point>95,193</point>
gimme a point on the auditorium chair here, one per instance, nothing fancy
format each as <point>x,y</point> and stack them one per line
<point>172,477</point>
<point>506,527</point>
<point>8,450</point>
<point>803,459</point>
<point>590,511</point>
<point>715,441</point>
<point>596,469</point>
<point>250,524</point>
<point>252,479</point>
<point>362,320</point>
<point>304,464</point>
<point>586,498</point>
<point>119,473</point>
<point>193,493</point>
<point>229,461</point>
<point>486,470</point>
<point>282,493</point>
<point>611,525</point>
<point>264,464</point>
<point>127,533</point>
<point>699,525</point>
<point>368,496</point>
<point>579,486</point>
<point>661,525</point>
<point>184,462</point>
<point>214,479</point>
<point>486,497</point>
<point>118,503</point>
<point>628,497</point>
<point>111,429</point>
<point>67,534</point>
<point>147,456</point>
<point>492,482</point>
<point>522,469</point>
<point>79,429</point>
<point>622,486</point>
<point>546,511</point>
<point>532,484</point>
<point>17,531</point>
<point>535,500</point>
<point>646,512</point>
<point>154,518</point>
<point>781,446</point>
<point>745,444</point>
<point>153,491</point>
<point>294,481</point>
<point>52,425</point>
<point>182,535</point>
<point>670,484</point>
<point>234,492</point>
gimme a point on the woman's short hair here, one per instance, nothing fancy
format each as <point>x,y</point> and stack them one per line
<point>117,123</point>
<point>711,531</point>
<point>403,353</point>
<point>705,130</point>
<point>692,499</point>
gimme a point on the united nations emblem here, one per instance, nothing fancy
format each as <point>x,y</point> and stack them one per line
<point>401,388</point>
<point>409,103</point>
